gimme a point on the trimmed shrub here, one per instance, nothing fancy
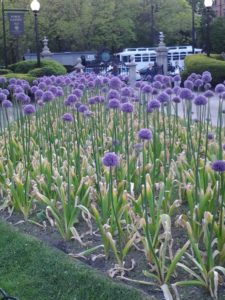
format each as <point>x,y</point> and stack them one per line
<point>53,67</point>
<point>48,71</point>
<point>27,77</point>
<point>5,71</point>
<point>199,63</point>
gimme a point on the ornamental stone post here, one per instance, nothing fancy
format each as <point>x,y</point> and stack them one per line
<point>162,54</point>
<point>46,53</point>
<point>132,70</point>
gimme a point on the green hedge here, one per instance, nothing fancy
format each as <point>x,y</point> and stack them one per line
<point>27,77</point>
<point>47,71</point>
<point>199,63</point>
<point>50,67</point>
<point>5,71</point>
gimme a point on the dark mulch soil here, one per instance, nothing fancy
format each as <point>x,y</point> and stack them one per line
<point>51,237</point>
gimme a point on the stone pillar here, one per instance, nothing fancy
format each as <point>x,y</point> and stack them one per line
<point>132,70</point>
<point>162,54</point>
<point>46,53</point>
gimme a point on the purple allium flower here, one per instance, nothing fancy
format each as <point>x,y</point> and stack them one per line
<point>153,104</point>
<point>167,80</point>
<point>40,103</point>
<point>82,108</point>
<point>5,91</point>
<point>72,98</point>
<point>105,80</point>
<point>92,101</point>
<point>12,81</point>
<point>147,89</point>
<point>176,90</point>
<point>48,96</point>
<point>145,134</point>
<point>3,80</point>
<point>124,99</point>
<point>163,97</point>
<point>67,117</point>
<point>98,82</point>
<point>206,77</point>
<point>176,99</point>
<point>210,136</point>
<point>114,103</point>
<point>186,94</point>
<point>21,97</point>
<point>34,89</point>
<point>53,89</point>
<point>78,92</point>
<point>115,83</point>
<point>200,100</point>
<point>209,94</point>
<point>115,142</point>
<point>91,84</point>
<point>2,96</point>
<point>155,91</point>
<point>127,107</point>
<point>137,84</point>
<point>125,92</point>
<point>38,94</point>
<point>157,85</point>
<point>198,83</point>
<point>218,166</point>
<point>177,78</point>
<point>110,159</point>
<point>7,104</point>
<point>60,92</point>
<point>42,86</point>
<point>188,84</point>
<point>113,94</point>
<point>169,91</point>
<point>220,88</point>
<point>104,90</point>
<point>18,89</point>
<point>158,78</point>
<point>29,109</point>
<point>81,87</point>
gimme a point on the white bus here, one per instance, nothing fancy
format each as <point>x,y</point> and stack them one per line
<point>145,56</point>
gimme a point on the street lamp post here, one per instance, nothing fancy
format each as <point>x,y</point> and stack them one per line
<point>35,7</point>
<point>4,34</point>
<point>208,4</point>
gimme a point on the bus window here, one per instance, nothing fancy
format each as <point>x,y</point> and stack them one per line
<point>153,58</point>
<point>175,56</point>
<point>125,59</point>
<point>137,57</point>
<point>183,55</point>
<point>145,57</point>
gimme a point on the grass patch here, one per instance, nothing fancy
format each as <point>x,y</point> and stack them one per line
<point>30,270</point>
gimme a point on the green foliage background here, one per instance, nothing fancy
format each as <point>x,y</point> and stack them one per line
<point>79,25</point>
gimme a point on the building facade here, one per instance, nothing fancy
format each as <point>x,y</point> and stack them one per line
<point>219,7</point>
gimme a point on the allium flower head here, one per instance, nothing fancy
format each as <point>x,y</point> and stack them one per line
<point>3,80</point>
<point>186,94</point>
<point>2,96</point>
<point>157,85</point>
<point>147,89</point>
<point>177,78</point>
<point>114,103</point>
<point>72,98</point>
<point>21,97</point>
<point>78,92</point>
<point>209,94</point>
<point>163,97</point>
<point>169,91</point>
<point>154,104</point>
<point>48,96</point>
<point>125,92</point>
<point>176,99</point>
<point>38,94</point>
<point>67,117</point>
<point>115,83</point>
<point>206,77</point>
<point>29,109</point>
<point>198,83</point>
<point>200,100</point>
<point>188,84</point>
<point>7,104</point>
<point>218,166</point>
<point>82,108</point>
<point>127,107</point>
<point>145,134</point>
<point>110,159</point>
<point>210,136</point>
<point>113,94</point>
<point>220,88</point>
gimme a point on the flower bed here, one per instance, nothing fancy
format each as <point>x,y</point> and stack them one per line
<point>95,157</point>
